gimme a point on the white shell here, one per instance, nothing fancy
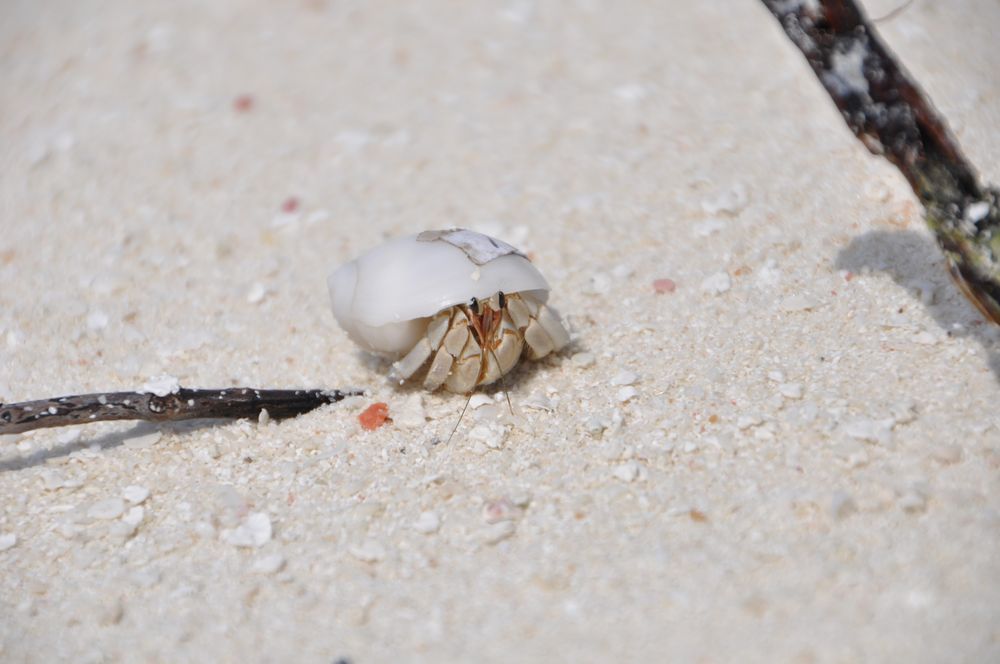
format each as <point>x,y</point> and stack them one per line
<point>383,298</point>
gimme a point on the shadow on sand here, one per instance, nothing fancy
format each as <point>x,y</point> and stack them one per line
<point>914,261</point>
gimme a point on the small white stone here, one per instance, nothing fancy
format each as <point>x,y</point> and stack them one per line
<point>913,502</point>
<point>97,320</point>
<point>631,93</point>
<point>706,228</point>
<point>497,532</point>
<point>427,523</point>
<point>370,551</point>
<point>269,564</point>
<point>491,436</point>
<point>134,516</point>
<point>7,540</point>
<point>875,431</point>
<point>790,390</point>
<point>479,399</point>
<point>746,421</point>
<point>254,531</point>
<point>626,472</point>
<point>717,283</point>
<point>798,302</point>
<point>947,454</point>
<point>161,386</point>
<point>623,271</point>
<point>730,201</point>
<point>600,284</point>
<point>852,453</point>
<point>110,508</point>
<point>842,505</point>
<point>626,393</point>
<point>538,402</point>
<point>256,293</point>
<point>595,425</point>
<point>135,494</point>
<point>977,211</point>
<point>583,360</point>
<point>409,414</point>
<point>625,378</point>
<point>263,417</point>
<point>925,338</point>
<point>776,376</point>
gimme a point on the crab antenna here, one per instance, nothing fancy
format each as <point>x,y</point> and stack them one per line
<point>455,428</point>
<point>503,382</point>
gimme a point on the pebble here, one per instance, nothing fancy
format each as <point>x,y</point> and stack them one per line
<point>427,523</point>
<point>798,302</point>
<point>747,421</point>
<point>925,338</point>
<point>500,510</point>
<point>626,472</point>
<point>497,532</point>
<point>254,531</point>
<point>539,402</point>
<point>111,508</point>
<point>134,516</point>
<point>161,386</point>
<point>595,425</point>
<point>410,413</point>
<point>269,564</point>
<point>582,360</point>
<point>479,400</point>
<point>7,540</point>
<point>706,228</point>
<point>491,436</point>
<point>730,201</point>
<point>626,393</point>
<point>790,390</point>
<point>625,378</point>
<point>947,454</point>
<point>370,551</point>
<point>852,453</point>
<point>912,501</point>
<point>111,611</point>
<point>977,211</point>
<point>842,505</point>
<point>664,286</point>
<point>97,320</point>
<point>717,284</point>
<point>256,293</point>
<point>135,494</point>
<point>875,431</point>
<point>600,284</point>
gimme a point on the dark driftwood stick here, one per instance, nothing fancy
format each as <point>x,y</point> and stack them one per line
<point>185,404</point>
<point>893,118</point>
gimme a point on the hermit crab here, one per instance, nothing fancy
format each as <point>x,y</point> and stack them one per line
<point>463,303</point>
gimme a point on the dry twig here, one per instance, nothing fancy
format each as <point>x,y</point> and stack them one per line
<point>893,118</point>
<point>184,404</point>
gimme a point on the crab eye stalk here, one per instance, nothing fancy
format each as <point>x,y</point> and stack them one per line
<point>474,305</point>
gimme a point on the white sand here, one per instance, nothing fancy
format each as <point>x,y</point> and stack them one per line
<point>808,470</point>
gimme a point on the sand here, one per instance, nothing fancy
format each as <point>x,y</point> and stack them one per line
<point>790,455</point>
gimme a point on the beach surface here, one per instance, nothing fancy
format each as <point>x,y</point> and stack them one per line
<point>775,436</point>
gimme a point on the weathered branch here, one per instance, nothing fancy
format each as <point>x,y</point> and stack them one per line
<point>184,404</point>
<point>893,118</point>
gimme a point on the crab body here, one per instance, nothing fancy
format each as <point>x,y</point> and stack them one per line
<point>463,303</point>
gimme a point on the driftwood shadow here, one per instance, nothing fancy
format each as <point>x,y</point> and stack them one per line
<point>107,441</point>
<point>914,262</point>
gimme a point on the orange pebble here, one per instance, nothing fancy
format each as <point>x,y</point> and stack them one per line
<point>374,416</point>
<point>664,286</point>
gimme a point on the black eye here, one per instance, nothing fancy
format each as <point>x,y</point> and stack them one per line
<point>474,305</point>
<point>501,299</point>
